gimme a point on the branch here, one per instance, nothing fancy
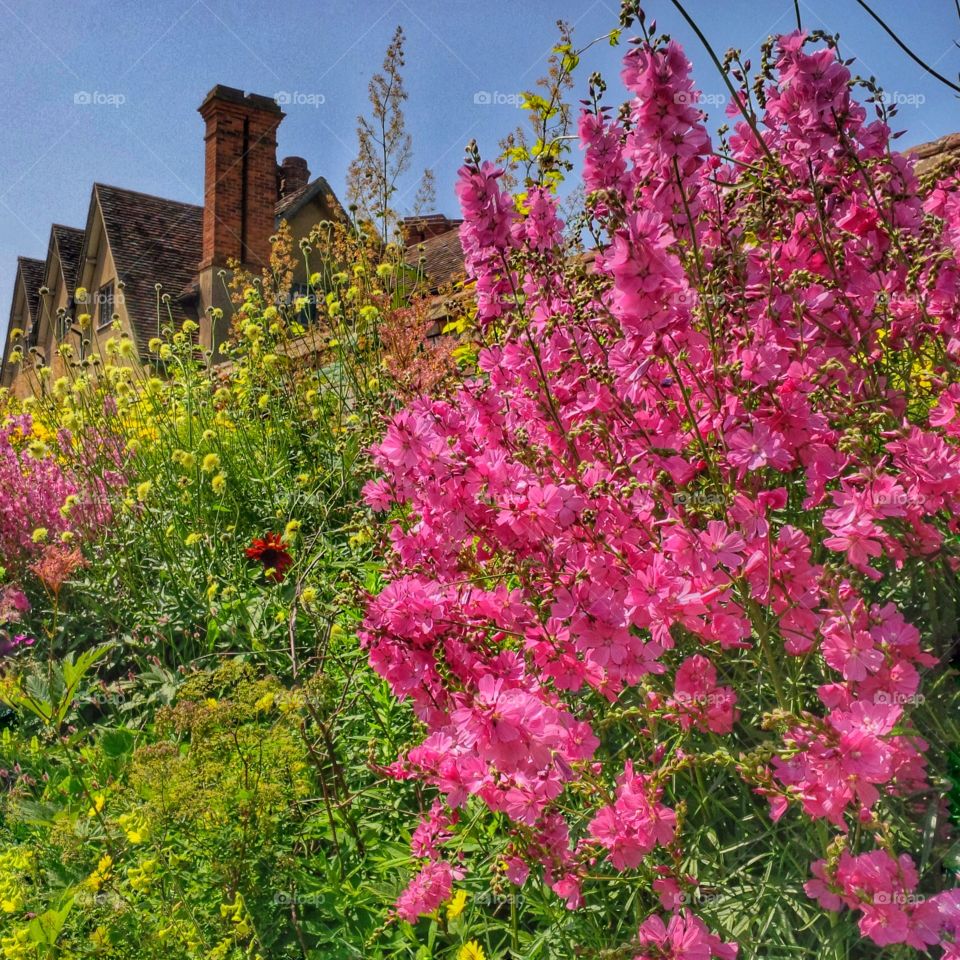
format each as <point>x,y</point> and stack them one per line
<point>916,59</point>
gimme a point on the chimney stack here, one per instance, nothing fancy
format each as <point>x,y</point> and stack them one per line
<point>240,177</point>
<point>293,174</point>
<point>415,230</point>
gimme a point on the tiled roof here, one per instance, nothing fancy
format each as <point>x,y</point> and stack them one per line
<point>152,241</point>
<point>319,187</point>
<point>942,156</point>
<point>441,256</point>
<point>32,272</point>
<point>69,242</point>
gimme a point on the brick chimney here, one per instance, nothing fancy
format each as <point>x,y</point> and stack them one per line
<point>240,177</point>
<point>417,229</point>
<point>293,174</point>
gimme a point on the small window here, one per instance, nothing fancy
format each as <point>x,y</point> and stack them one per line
<point>105,308</point>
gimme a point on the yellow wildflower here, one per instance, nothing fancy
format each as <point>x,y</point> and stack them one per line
<point>456,904</point>
<point>100,876</point>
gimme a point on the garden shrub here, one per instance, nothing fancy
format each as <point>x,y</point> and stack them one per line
<point>649,568</point>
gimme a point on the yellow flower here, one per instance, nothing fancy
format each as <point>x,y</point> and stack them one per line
<point>192,539</point>
<point>456,904</point>
<point>126,347</point>
<point>98,802</point>
<point>100,876</point>
<point>308,596</point>
<point>315,279</point>
<point>265,703</point>
<point>471,950</point>
<point>39,535</point>
<point>219,483</point>
<point>291,529</point>
<point>80,294</point>
<point>143,490</point>
<point>211,463</point>
<point>134,826</point>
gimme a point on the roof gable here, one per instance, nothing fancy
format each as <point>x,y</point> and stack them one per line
<point>152,241</point>
<point>69,243</point>
<point>29,279</point>
<point>289,206</point>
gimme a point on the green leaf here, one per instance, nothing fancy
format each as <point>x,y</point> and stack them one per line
<point>46,928</point>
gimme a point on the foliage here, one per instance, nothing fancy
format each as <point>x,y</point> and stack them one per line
<point>192,738</point>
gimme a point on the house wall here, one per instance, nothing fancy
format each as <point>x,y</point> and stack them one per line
<point>15,377</point>
<point>97,270</point>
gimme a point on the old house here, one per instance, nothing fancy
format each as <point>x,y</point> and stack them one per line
<point>132,241</point>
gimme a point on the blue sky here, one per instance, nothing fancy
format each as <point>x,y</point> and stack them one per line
<point>144,68</point>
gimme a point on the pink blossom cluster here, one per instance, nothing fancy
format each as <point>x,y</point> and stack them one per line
<point>34,491</point>
<point>674,483</point>
<point>681,938</point>
<point>428,889</point>
<point>883,890</point>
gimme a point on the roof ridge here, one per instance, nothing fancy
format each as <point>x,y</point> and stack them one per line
<point>141,193</point>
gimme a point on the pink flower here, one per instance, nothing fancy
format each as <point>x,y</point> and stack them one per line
<point>426,891</point>
<point>757,448</point>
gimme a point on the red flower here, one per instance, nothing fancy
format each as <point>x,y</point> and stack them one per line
<point>273,553</point>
